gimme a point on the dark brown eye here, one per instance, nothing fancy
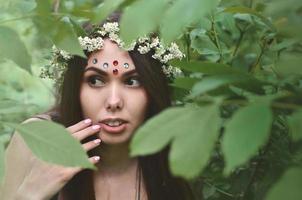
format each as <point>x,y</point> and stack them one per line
<point>95,81</point>
<point>133,81</point>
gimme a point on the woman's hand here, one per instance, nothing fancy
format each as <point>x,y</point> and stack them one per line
<point>45,179</point>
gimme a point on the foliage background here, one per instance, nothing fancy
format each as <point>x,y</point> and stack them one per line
<point>236,131</point>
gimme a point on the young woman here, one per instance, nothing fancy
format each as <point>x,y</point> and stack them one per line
<point>103,100</point>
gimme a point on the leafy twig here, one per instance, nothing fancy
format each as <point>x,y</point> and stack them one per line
<point>215,34</point>
<point>218,189</point>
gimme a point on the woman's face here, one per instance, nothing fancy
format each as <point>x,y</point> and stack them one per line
<point>111,94</point>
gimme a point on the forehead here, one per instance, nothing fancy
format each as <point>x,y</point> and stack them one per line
<point>111,57</point>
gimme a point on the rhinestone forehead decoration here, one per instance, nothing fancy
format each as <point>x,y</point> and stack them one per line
<point>95,61</point>
<point>115,71</point>
<point>126,65</point>
<point>115,62</point>
<point>105,65</point>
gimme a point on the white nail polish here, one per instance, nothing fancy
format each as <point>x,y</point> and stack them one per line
<point>97,141</point>
<point>87,121</point>
<point>95,127</point>
<point>97,158</point>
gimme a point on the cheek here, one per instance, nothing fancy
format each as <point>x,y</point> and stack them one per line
<point>88,104</point>
<point>139,105</point>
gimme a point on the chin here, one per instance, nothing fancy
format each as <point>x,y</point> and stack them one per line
<point>109,138</point>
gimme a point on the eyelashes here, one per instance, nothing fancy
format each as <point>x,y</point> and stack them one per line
<point>99,81</point>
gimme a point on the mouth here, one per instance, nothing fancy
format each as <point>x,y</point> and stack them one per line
<point>114,125</point>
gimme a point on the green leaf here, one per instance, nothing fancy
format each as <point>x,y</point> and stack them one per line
<point>11,47</point>
<point>295,125</point>
<point>77,28</point>
<point>185,82</point>
<point>157,132</point>
<point>141,18</point>
<point>66,39</point>
<point>181,14</point>
<point>196,135</point>
<point>52,143</point>
<point>289,187</point>
<point>206,67</point>
<point>246,10</point>
<point>213,82</point>
<point>246,132</point>
<point>104,9</point>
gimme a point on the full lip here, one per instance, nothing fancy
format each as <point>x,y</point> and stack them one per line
<point>110,129</point>
<point>103,121</point>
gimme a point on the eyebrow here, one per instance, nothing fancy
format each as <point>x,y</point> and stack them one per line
<point>101,72</point>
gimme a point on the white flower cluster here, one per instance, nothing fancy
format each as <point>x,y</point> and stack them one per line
<point>170,70</point>
<point>165,55</point>
<point>58,52</point>
<point>91,44</point>
<point>111,30</point>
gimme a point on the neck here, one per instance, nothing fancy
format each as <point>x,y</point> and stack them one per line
<point>115,159</point>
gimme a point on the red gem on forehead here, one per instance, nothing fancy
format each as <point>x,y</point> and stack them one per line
<point>115,63</point>
<point>115,71</point>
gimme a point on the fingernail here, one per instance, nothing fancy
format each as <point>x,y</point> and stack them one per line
<point>97,141</point>
<point>97,158</point>
<point>87,121</point>
<point>95,127</point>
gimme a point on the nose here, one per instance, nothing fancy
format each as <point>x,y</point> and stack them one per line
<point>114,101</point>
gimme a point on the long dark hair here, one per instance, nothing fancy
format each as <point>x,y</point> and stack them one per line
<point>159,183</point>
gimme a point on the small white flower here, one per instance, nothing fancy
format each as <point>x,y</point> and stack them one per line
<point>91,44</point>
<point>111,27</point>
<point>174,50</point>
<point>143,39</point>
<point>144,49</point>
<point>102,32</point>
<point>155,42</point>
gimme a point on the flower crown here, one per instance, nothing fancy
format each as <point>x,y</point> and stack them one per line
<point>110,30</point>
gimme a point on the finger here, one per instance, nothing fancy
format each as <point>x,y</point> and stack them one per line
<point>87,132</point>
<point>94,159</point>
<point>79,126</point>
<point>92,144</point>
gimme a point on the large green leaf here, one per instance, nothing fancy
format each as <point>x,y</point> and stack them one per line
<point>11,47</point>
<point>192,147</point>
<point>104,9</point>
<point>52,143</point>
<point>206,67</point>
<point>141,18</point>
<point>185,82</point>
<point>246,132</point>
<point>213,82</point>
<point>289,187</point>
<point>246,10</point>
<point>181,14</point>
<point>157,132</point>
<point>66,39</point>
<point>295,125</point>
